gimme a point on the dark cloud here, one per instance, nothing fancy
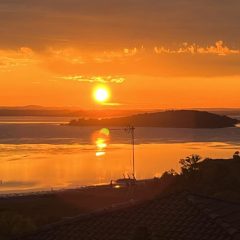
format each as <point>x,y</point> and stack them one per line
<point>117,23</point>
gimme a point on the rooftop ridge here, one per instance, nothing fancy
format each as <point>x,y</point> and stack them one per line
<point>212,198</point>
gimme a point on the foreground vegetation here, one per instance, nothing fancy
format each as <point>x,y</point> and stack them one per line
<point>218,178</point>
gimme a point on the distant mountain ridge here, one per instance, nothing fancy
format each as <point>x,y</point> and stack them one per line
<point>38,111</point>
<point>78,112</point>
<point>167,119</point>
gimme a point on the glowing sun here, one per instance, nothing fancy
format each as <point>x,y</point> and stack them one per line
<point>101,94</point>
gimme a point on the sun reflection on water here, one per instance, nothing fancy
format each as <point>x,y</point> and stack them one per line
<point>101,139</point>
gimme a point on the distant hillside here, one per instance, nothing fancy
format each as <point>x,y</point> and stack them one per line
<point>38,111</point>
<point>168,119</point>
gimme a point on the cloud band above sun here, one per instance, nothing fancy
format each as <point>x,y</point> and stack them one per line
<point>94,79</point>
<point>112,66</point>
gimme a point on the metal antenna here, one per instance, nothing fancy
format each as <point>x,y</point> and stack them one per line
<point>130,130</point>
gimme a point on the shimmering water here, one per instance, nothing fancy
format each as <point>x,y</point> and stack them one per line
<point>40,154</point>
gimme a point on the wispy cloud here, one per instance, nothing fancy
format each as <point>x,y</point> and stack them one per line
<point>94,79</point>
<point>12,59</point>
<point>219,49</point>
<point>112,104</point>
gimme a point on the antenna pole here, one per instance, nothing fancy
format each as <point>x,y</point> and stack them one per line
<point>131,130</point>
<point>133,149</point>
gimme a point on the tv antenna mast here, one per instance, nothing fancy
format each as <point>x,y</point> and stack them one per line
<point>129,130</point>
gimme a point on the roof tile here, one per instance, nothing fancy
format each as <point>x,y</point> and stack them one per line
<point>182,216</point>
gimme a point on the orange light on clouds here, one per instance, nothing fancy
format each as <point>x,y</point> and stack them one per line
<point>162,76</point>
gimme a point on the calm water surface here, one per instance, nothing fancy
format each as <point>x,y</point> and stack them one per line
<point>39,154</point>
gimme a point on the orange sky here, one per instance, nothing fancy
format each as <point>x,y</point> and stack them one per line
<point>151,54</point>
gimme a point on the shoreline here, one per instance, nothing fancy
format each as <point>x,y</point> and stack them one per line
<point>45,208</point>
<point>26,193</point>
<point>53,191</point>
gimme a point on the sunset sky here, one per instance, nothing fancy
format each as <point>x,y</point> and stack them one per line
<point>148,53</point>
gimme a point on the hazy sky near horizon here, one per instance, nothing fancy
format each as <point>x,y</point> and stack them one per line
<point>150,53</point>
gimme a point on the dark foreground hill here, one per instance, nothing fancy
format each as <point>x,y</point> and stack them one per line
<point>168,119</point>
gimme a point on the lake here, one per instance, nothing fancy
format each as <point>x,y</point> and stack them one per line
<point>37,153</point>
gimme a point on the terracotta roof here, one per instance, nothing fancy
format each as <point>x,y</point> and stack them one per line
<point>181,216</point>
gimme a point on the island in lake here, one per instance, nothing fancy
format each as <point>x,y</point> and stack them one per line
<point>167,119</point>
